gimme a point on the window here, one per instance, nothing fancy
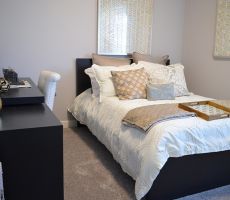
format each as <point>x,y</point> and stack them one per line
<point>124,26</point>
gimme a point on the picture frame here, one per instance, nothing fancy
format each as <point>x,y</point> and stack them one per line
<point>222,36</point>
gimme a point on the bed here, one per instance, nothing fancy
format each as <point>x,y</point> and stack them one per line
<point>179,176</point>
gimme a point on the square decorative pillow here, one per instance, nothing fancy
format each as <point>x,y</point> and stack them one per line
<point>130,84</point>
<point>160,91</point>
<point>104,78</point>
<point>109,61</point>
<point>148,58</point>
<point>160,74</point>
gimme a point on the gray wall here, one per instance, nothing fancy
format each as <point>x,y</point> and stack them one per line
<point>205,75</point>
<point>50,34</point>
<point>168,27</point>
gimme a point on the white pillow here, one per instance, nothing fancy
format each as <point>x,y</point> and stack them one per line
<point>158,73</point>
<point>104,78</point>
<point>179,80</point>
<point>161,74</point>
<point>94,84</point>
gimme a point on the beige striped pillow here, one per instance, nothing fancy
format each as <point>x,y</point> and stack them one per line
<point>130,84</point>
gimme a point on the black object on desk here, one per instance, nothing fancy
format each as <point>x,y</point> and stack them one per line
<point>31,152</point>
<point>22,96</point>
<point>10,75</point>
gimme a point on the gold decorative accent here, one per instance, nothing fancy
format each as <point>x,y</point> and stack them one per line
<point>208,110</point>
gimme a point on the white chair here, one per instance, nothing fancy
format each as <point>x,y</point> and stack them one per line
<point>47,83</point>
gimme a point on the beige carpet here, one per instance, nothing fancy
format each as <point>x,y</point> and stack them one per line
<point>90,172</point>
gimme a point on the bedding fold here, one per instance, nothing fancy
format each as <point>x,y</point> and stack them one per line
<point>146,117</point>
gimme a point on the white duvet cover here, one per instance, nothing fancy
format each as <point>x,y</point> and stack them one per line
<point>143,155</point>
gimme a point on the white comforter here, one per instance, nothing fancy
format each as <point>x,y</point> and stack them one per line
<point>143,155</point>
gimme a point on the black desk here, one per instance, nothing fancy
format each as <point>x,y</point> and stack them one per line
<point>20,96</point>
<point>31,152</point>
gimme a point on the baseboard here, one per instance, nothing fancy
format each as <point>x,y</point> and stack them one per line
<point>69,123</point>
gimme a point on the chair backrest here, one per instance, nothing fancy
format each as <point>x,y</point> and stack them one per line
<point>47,83</point>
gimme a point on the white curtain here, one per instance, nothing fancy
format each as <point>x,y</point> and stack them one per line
<point>124,26</point>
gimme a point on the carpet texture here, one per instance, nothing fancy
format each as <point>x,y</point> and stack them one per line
<point>91,173</point>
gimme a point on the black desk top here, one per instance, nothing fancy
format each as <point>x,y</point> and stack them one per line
<point>26,116</point>
<point>19,96</point>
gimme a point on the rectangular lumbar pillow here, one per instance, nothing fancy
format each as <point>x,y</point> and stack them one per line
<point>160,91</point>
<point>148,58</point>
<point>130,84</point>
<point>109,61</point>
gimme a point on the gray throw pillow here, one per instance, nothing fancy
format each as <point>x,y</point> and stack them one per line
<point>160,91</point>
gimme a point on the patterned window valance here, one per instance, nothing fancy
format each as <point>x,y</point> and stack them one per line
<point>124,26</point>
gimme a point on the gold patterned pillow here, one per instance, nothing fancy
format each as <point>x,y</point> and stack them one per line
<point>130,84</point>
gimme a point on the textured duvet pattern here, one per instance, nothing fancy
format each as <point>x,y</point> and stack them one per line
<point>140,155</point>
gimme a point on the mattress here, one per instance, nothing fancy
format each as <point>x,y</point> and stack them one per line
<point>142,155</point>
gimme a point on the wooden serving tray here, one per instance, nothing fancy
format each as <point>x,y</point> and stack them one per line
<point>208,110</point>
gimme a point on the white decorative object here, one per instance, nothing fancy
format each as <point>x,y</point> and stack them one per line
<point>47,84</point>
<point>124,26</point>
<point>94,84</point>
<point>222,41</point>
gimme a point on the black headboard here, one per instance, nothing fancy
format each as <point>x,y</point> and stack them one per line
<point>83,80</point>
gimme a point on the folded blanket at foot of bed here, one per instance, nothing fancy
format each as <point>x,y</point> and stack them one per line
<point>147,116</point>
